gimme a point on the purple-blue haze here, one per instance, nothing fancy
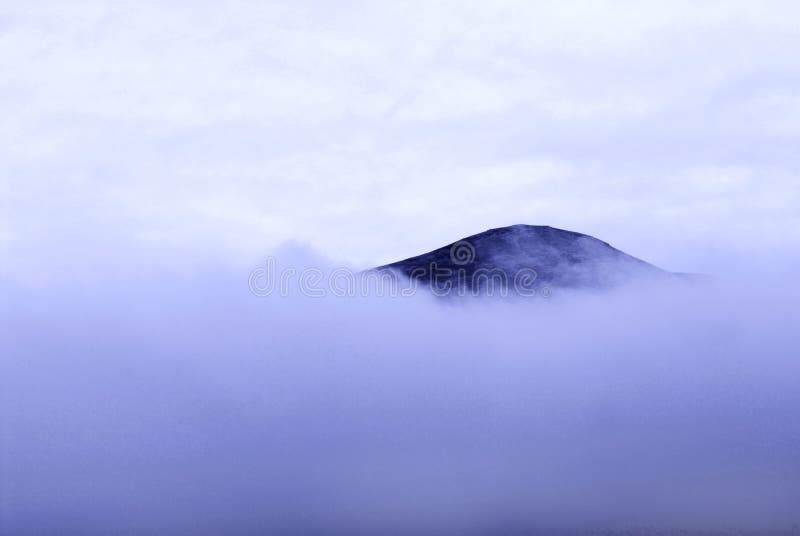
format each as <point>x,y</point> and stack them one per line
<point>154,155</point>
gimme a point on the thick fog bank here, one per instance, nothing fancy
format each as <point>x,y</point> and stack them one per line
<point>187,405</point>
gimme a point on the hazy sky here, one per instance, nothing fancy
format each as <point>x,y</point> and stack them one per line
<point>153,132</point>
<point>146,148</point>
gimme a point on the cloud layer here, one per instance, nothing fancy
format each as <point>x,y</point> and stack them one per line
<point>189,406</point>
<point>376,131</point>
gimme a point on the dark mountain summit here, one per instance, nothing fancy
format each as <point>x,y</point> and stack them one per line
<point>525,259</point>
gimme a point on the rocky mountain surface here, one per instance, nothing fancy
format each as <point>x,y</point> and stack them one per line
<point>524,259</point>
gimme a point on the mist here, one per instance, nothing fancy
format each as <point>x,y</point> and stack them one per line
<point>164,403</point>
<point>155,156</point>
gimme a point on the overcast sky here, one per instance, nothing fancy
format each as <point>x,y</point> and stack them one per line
<point>185,132</point>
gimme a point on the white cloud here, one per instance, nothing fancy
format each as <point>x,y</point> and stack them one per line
<point>372,131</point>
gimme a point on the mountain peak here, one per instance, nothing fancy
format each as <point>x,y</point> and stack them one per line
<point>549,256</point>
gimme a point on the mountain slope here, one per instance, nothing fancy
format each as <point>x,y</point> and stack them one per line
<point>525,257</point>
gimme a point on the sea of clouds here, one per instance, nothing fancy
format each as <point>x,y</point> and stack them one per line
<point>167,403</point>
<point>150,149</point>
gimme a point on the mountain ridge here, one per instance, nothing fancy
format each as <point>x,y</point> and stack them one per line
<point>541,255</point>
